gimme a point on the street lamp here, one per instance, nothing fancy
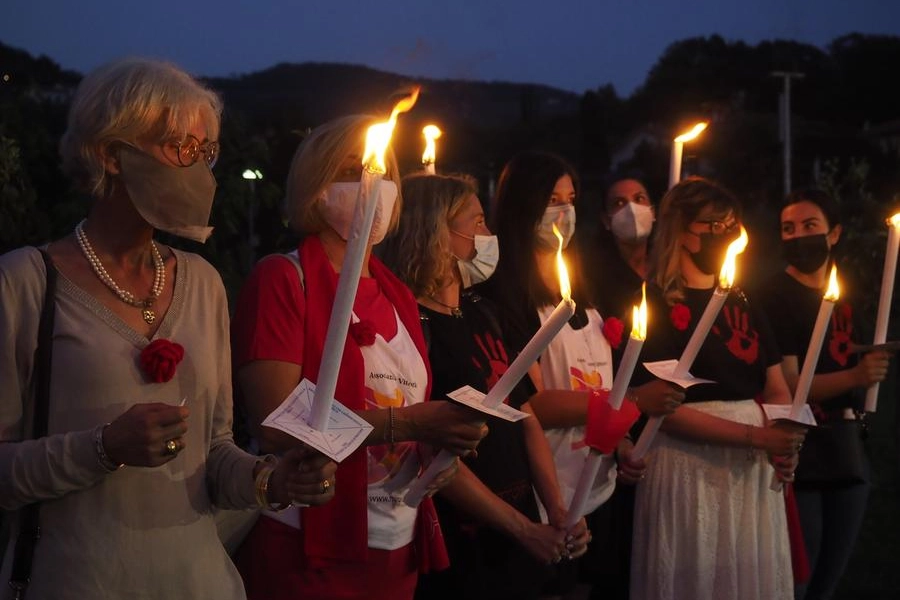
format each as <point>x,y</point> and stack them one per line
<point>678,150</point>
<point>251,175</point>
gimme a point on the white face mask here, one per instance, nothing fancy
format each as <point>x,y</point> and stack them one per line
<point>482,265</point>
<point>632,223</point>
<point>339,205</point>
<point>563,216</point>
<point>176,200</point>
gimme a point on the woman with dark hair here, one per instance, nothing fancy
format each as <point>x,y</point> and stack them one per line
<point>706,523</point>
<point>536,192</point>
<point>497,544</point>
<point>831,510</point>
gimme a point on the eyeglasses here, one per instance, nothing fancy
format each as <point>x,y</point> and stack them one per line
<point>188,151</point>
<point>720,227</point>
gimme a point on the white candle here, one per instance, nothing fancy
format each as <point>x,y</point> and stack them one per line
<point>632,352</point>
<point>647,436</point>
<point>884,301</point>
<point>431,133</point>
<point>689,354</point>
<point>678,152</point>
<point>429,168</point>
<point>348,282</point>
<point>583,488</point>
<point>823,319</point>
<point>530,353</point>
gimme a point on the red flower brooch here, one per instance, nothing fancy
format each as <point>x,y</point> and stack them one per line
<point>612,331</point>
<point>363,332</point>
<point>160,359</point>
<point>680,316</point>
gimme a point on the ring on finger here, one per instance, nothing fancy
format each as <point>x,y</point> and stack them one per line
<point>325,486</point>
<point>172,447</point>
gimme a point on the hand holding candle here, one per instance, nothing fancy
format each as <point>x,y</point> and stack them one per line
<point>884,300</point>
<point>431,133</point>
<point>378,138</point>
<point>716,301</point>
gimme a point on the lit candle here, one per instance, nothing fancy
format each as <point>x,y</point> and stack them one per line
<point>431,133</point>
<point>632,351</point>
<point>378,137</point>
<point>884,301</point>
<point>678,150</point>
<point>815,345</point>
<point>716,301</point>
<point>514,373</point>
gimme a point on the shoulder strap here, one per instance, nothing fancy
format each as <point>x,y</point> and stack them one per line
<point>30,531</point>
<point>295,258</point>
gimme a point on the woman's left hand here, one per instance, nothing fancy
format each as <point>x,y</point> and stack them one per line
<point>303,476</point>
<point>629,471</point>
<point>577,539</point>
<point>785,466</point>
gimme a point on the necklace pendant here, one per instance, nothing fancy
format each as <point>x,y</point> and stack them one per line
<point>148,315</point>
<point>456,312</point>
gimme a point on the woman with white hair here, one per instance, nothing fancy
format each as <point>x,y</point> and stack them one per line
<point>123,472</point>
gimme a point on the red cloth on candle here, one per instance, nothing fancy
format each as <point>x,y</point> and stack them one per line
<point>606,427</point>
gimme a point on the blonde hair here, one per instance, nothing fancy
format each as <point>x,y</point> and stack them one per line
<point>128,100</point>
<point>316,163</point>
<point>418,253</point>
<point>678,209</point>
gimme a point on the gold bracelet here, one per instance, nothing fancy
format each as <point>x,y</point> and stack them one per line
<point>390,438</point>
<point>262,489</point>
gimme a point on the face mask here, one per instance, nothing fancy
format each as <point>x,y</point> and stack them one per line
<point>711,255</point>
<point>563,216</point>
<point>632,223</point>
<point>173,199</point>
<point>339,205</point>
<point>482,265</point>
<point>807,253</point>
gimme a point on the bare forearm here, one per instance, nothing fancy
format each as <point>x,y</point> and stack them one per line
<point>560,409</point>
<point>467,493</point>
<point>540,459</point>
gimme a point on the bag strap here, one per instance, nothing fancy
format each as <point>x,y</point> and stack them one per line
<point>30,531</point>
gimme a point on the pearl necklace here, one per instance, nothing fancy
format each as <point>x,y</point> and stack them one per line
<point>159,277</point>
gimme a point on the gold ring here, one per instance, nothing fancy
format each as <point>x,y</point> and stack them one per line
<point>325,486</point>
<point>172,447</point>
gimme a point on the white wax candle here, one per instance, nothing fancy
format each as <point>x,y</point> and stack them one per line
<point>647,436</point>
<point>348,282</point>
<point>429,168</point>
<point>625,371</point>
<point>812,357</point>
<point>716,301</point>
<point>530,353</point>
<point>416,492</point>
<point>583,488</point>
<point>884,300</point>
<point>675,163</point>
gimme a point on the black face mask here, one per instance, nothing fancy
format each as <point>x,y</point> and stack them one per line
<point>807,253</point>
<point>711,255</point>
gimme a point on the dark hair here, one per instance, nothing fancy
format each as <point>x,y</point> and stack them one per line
<point>523,191</point>
<point>820,198</point>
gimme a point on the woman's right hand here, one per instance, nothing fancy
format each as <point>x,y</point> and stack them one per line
<point>142,435</point>
<point>442,424</point>
<point>544,542</point>
<point>781,439</point>
<point>872,368</point>
<point>658,398</point>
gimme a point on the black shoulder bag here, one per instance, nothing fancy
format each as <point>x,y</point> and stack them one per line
<point>30,530</point>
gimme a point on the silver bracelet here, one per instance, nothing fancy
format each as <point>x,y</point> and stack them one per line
<point>391,421</point>
<point>108,464</point>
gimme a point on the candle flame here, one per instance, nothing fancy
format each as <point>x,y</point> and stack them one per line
<point>729,268</point>
<point>431,133</point>
<point>565,288</point>
<point>834,290</point>
<point>894,221</point>
<point>639,317</point>
<point>696,130</point>
<point>378,136</point>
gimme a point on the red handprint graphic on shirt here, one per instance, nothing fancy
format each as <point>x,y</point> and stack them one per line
<point>744,341</point>
<point>498,361</point>
<point>841,331</point>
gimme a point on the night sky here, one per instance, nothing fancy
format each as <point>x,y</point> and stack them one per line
<point>571,45</point>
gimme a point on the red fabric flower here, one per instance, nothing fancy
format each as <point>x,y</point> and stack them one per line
<point>606,426</point>
<point>363,332</point>
<point>612,331</point>
<point>680,316</point>
<point>160,359</point>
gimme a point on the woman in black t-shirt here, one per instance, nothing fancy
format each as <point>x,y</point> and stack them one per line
<point>498,546</point>
<point>706,523</point>
<point>831,510</point>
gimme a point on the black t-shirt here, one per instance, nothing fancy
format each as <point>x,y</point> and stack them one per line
<point>792,309</point>
<point>484,563</point>
<point>735,355</point>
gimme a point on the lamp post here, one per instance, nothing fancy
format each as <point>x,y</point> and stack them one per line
<point>251,175</point>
